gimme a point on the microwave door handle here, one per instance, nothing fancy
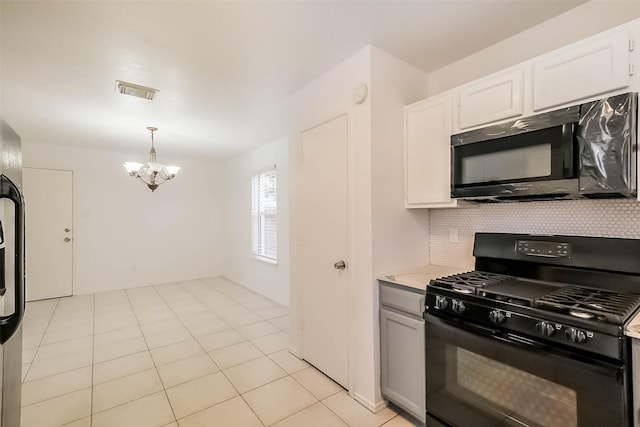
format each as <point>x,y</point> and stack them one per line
<point>9,324</point>
<point>569,150</point>
<point>3,279</point>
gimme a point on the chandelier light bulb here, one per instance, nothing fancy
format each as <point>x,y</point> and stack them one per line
<point>151,173</point>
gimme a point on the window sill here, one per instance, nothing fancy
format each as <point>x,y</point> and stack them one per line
<point>265,260</point>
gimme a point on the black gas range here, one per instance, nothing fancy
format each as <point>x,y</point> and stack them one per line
<point>534,336</point>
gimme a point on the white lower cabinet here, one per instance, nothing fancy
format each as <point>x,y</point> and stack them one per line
<point>402,350</point>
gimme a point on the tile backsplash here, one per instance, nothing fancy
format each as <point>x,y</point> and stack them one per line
<point>608,218</point>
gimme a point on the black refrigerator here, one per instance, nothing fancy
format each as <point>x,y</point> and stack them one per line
<point>12,282</point>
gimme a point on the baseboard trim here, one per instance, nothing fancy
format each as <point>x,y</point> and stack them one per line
<point>373,407</point>
<point>295,352</point>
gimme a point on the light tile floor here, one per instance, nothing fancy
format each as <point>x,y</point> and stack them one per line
<point>202,353</point>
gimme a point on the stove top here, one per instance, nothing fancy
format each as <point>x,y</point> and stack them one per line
<point>571,292</point>
<point>581,302</point>
<point>467,283</point>
<point>585,303</point>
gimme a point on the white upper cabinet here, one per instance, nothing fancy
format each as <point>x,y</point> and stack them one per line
<point>428,126</point>
<point>592,67</point>
<point>491,99</point>
<point>583,71</point>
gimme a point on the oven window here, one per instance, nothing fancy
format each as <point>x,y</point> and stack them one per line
<point>511,391</point>
<point>480,377</point>
<point>527,162</point>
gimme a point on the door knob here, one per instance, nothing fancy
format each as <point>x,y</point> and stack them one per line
<point>67,230</point>
<point>67,239</point>
<point>340,265</point>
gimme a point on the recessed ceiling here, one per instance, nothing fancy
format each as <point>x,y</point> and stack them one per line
<point>224,70</point>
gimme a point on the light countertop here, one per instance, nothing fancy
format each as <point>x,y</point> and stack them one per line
<point>633,327</point>
<point>419,277</point>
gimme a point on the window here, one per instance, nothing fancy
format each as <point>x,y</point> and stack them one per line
<point>264,242</point>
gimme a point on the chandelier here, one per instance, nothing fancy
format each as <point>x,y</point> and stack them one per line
<point>152,173</point>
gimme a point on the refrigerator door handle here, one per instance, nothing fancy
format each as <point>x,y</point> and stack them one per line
<point>3,280</point>
<point>9,324</point>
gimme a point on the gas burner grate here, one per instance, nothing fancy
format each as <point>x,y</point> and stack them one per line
<point>467,283</point>
<point>587,303</point>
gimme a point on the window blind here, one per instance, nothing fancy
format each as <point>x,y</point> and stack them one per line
<point>264,211</point>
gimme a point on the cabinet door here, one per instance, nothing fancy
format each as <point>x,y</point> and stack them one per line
<point>492,99</point>
<point>428,153</point>
<point>402,361</point>
<point>582,70</point>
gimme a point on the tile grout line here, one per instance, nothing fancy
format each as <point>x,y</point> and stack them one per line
<point>57,373</point>
<point>164,298</point>
<point>289,375</point>
<point>208,355</point>
<point>318,400</point>
<point>197,295</point>
<point>221,317</point>
<point>93,345</point>
<point>175,419</point>
<point>39,343</point>
<point>48,376</point>
<point>234,328</point>
<point>84,388</point>
<point>248,340</point>
<point>265,355</point>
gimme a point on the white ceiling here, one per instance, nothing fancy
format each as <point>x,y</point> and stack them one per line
<point>225,70</point>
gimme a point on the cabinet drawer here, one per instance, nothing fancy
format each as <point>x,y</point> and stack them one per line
<point>403,300</point>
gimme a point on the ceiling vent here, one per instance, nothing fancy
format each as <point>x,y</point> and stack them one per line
<point>133,89</point>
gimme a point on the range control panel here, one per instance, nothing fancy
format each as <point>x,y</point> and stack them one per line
<point>544,249</point>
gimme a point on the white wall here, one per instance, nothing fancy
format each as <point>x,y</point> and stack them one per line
<point>239,265</point>
<point>576,24</point>
<point>383,236</point>
<point>125,235</point>
<point>399,235</point>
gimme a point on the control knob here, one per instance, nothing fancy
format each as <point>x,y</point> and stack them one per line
<point>546,329</point>
<point>458,306</point>
<point>441,302</point>
<point>575,335</point>
<point>497,316</point>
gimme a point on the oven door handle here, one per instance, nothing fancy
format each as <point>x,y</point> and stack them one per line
<point>484,330</point>
<point>495,333</point>
<point>469,327</point>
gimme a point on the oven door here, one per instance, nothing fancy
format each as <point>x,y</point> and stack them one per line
<point>479,377</point>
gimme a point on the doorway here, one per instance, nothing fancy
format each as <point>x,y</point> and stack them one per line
<point>48,195</point>
<point>323,253</point>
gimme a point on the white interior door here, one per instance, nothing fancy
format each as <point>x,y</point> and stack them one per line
<point>49,238</point>
<point>323,220</point>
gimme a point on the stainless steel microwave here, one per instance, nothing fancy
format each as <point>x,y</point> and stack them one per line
<point>583,151</point>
